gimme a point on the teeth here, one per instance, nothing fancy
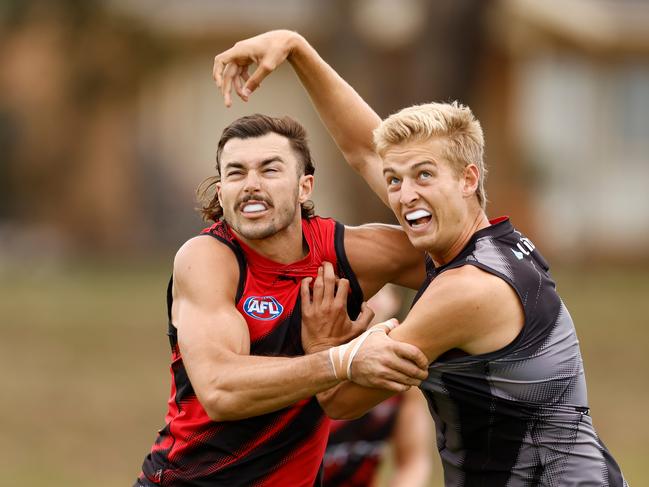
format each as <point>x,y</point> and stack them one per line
<point>253,208</point>
<point>415,215</point>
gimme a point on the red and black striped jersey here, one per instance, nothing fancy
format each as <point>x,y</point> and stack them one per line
<point>281,448</point>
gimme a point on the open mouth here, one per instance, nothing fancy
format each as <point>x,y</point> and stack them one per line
<point>251,207</point>
<point>418,218</point>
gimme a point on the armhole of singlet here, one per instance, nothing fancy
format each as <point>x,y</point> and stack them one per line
<point>172,331</point>
<point>430,273</point>
<point>511,345</point>
<point>238,252</point>
<point>356,297</point>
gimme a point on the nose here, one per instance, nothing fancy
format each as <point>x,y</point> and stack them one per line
<point>252,183</point>
<point>408,193</point>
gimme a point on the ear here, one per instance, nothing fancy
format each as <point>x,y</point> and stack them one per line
<point>305,187</point>
<point>471,180</point>
<point>218,190</point>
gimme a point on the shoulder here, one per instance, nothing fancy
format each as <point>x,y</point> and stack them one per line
<point>468,290</point>
<point>204,261</point>
<point>467,308</point>
<point>461,291</point>
<point>204,249</point>
<point>469,282</point>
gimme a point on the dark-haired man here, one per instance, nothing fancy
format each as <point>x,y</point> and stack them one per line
<point>242,410</point>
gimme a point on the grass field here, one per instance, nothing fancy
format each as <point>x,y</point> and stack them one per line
<point>85,360</point>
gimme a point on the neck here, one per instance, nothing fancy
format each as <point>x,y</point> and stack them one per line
<point>285,247</point>
<point>474,223</point>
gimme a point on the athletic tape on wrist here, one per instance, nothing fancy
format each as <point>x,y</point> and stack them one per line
<point>337,359</point>
<point>357,346</point>
<point>331,361</point>
<point>337,354</point>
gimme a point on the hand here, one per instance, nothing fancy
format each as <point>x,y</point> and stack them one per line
<point>385,363</point>
<point>267,51</point>
<point>325,322</point>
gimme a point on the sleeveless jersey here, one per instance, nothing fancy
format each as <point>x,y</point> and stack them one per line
<point>518,416</point>
<point>281,448</point>
<point>356,447</point>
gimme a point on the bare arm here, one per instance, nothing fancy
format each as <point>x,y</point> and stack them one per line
<point>463,308</point>
<point>381,253</point>
<point>412,442</point>
<point>215,344</point>
<point>348,118</point>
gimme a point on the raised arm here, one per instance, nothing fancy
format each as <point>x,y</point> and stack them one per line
<point>348,118</point>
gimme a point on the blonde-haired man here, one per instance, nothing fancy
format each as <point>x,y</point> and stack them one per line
<point>506,385</point>
<point>455,122</point>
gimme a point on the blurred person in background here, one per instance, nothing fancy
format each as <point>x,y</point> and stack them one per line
<point>400,425</point>
<point>244,370</point>
<point>506,384</point>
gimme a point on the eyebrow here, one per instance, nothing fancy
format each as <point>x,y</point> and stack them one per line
<point>270,160</point>
<point>415,166</point>
<point>240,165</point>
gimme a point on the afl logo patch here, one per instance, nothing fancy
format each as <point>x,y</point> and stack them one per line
<point>264,308</point>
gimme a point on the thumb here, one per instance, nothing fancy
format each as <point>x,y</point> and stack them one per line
<point>365,317</point>
<point>263,70</point>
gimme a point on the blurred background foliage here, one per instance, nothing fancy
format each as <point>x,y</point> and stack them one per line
<point>109,120</point>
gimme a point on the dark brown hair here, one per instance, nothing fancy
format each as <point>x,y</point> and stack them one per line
<point>251,126</point>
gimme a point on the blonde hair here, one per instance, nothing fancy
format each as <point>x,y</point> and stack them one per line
<point>452,121</point>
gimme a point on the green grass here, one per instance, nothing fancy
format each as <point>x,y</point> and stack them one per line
<point>85,360</point>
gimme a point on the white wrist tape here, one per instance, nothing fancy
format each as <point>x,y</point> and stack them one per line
<point>342,356</point>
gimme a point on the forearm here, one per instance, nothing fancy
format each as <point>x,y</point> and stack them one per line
<point>249,386</point>
<point>350,401</point>
<point>412,440</point>
<point>415,472</point>
<point>348,118</point>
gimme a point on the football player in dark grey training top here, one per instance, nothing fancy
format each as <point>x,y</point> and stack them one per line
<point>506,383</point>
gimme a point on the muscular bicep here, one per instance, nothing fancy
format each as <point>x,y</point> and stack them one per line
<point>380,254</point>
<point>464,308</point>
<point>210,328</point>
